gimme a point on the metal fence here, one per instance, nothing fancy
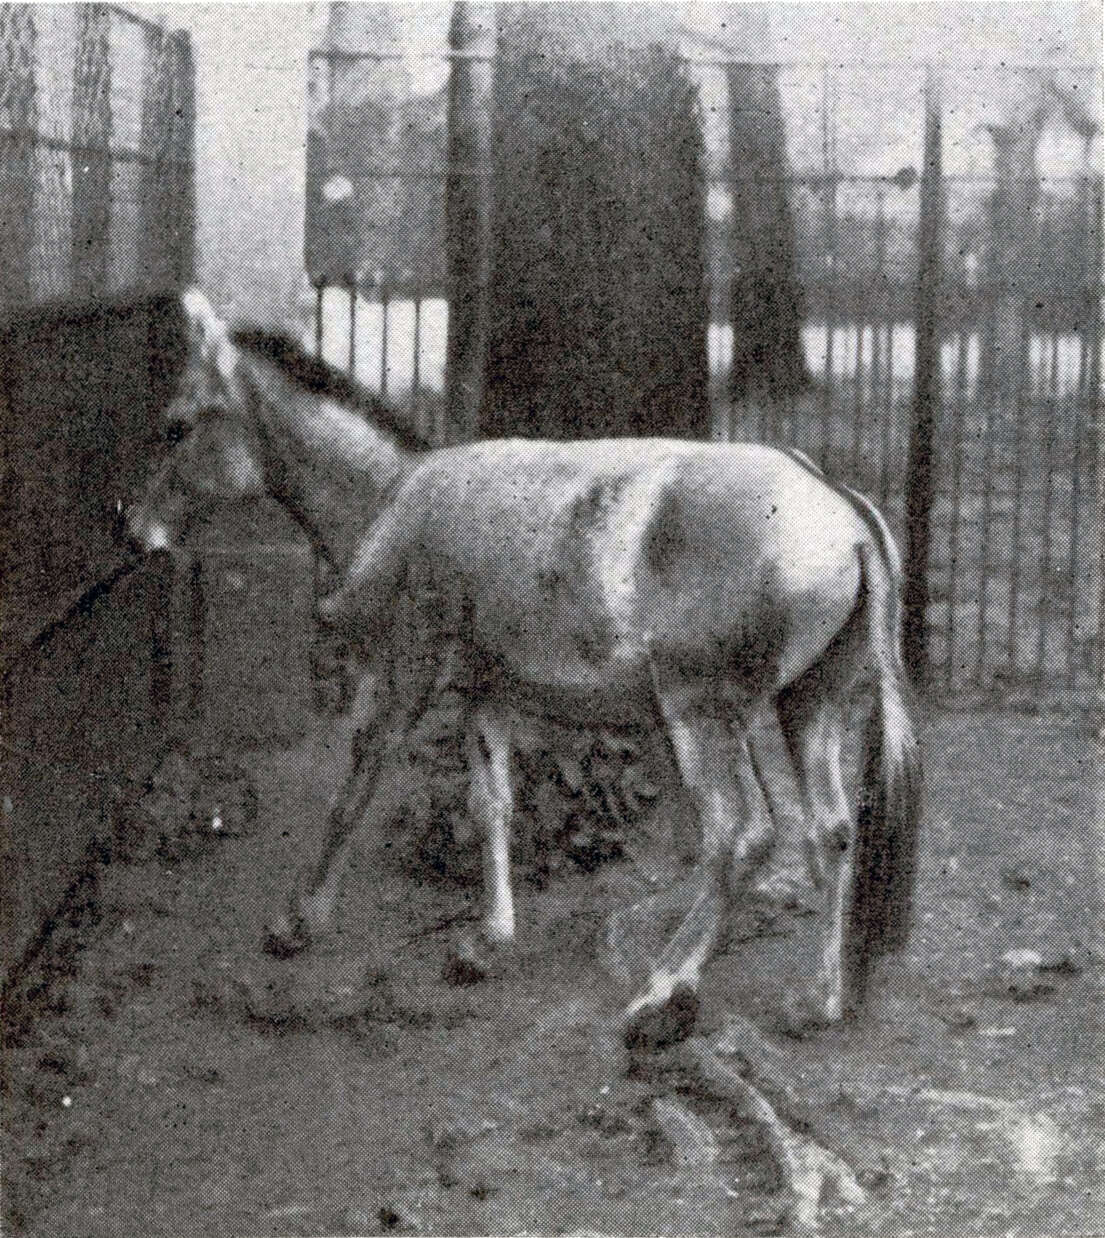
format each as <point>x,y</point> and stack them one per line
<point>96,124</point>
<point>1011,335</point>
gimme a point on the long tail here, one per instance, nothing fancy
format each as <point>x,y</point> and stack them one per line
<point>888,819</point>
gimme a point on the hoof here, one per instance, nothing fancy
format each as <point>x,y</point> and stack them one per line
<point>804,1014</point>
<point>656,1027</point>
<point>286,938</point>
<point>470,961</point>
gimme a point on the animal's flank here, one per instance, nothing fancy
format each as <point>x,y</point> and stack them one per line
<point>627,518</point>
<point>665,540</point>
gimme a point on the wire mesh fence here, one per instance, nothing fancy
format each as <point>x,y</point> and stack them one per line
<point>96,167</point>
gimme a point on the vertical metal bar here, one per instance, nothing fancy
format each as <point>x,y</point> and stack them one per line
<point>155,211</point>
<point>1083,410</point>
<point>1046,601</point>
<point>416,367</point>
<point>197,645</point>
<point>1073,566</point>
<point>957,447</point>
<point>880,313</point>
<point>858,402</point>
<point>990,396</point>
<point>319,289</point>
<point>1096,480</point>
<point>183,150</point>
<point>730,402</point>
<point>920,474</point>
<point>1098,458</point>
<point>18,162</point>
<point>385,303</point>
<point>888,410</point>
<point>1020,464</point>
<point>352,329</point>
<point>92,127</point>
<point>468,220</point>
<point>159,581</point>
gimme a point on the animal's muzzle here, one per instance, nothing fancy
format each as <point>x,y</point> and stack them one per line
<point>140,532</point>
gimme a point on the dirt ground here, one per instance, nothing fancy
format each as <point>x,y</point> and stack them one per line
<point>163,1077</point>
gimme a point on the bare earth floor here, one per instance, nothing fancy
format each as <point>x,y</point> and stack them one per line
<point>174,1081</point>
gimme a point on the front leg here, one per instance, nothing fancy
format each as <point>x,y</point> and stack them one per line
<point>310,904</point>
<point>491,807</point>
<point>372,791</point>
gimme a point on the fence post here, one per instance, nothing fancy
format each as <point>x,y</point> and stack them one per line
<point>92,134</point>
<point>468,214</point>
<point>17,156</point>
<point>919,482</point>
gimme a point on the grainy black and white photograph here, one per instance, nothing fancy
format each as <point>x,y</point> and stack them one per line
<point>552,618</point>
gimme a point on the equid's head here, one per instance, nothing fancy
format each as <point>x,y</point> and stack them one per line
<point>213,450</point>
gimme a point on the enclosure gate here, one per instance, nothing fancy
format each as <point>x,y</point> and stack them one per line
<point>96,216</point>
<point>1003,359</point>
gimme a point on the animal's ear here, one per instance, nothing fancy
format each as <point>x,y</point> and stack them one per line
<point>207,333</point>
<point>201,321</point>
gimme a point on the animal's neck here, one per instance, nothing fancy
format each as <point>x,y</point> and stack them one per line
<point>328,467</point>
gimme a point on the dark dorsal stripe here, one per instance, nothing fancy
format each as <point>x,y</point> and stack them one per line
<point>323,379</point>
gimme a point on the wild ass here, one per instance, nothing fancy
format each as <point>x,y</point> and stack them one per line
<point>695,585</point>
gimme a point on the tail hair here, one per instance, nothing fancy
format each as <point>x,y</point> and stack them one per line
<point>888,819</point>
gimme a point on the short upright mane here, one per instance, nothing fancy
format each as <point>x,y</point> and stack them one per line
<point>321,378</point>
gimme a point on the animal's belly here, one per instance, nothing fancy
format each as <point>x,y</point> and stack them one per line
<point>563,658</point>
<point>625,700</point>
<point>560,656</point>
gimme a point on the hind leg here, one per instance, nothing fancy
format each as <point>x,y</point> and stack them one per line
<point>734,839</point>
<point>813,727</point>
<point>785,881</point>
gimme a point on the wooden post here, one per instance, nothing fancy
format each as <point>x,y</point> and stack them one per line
<point>920,475</point>
<point>468,214</point>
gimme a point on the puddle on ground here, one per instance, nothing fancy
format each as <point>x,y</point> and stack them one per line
<point>1037,1143</point>
<point>1035,1147</point>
